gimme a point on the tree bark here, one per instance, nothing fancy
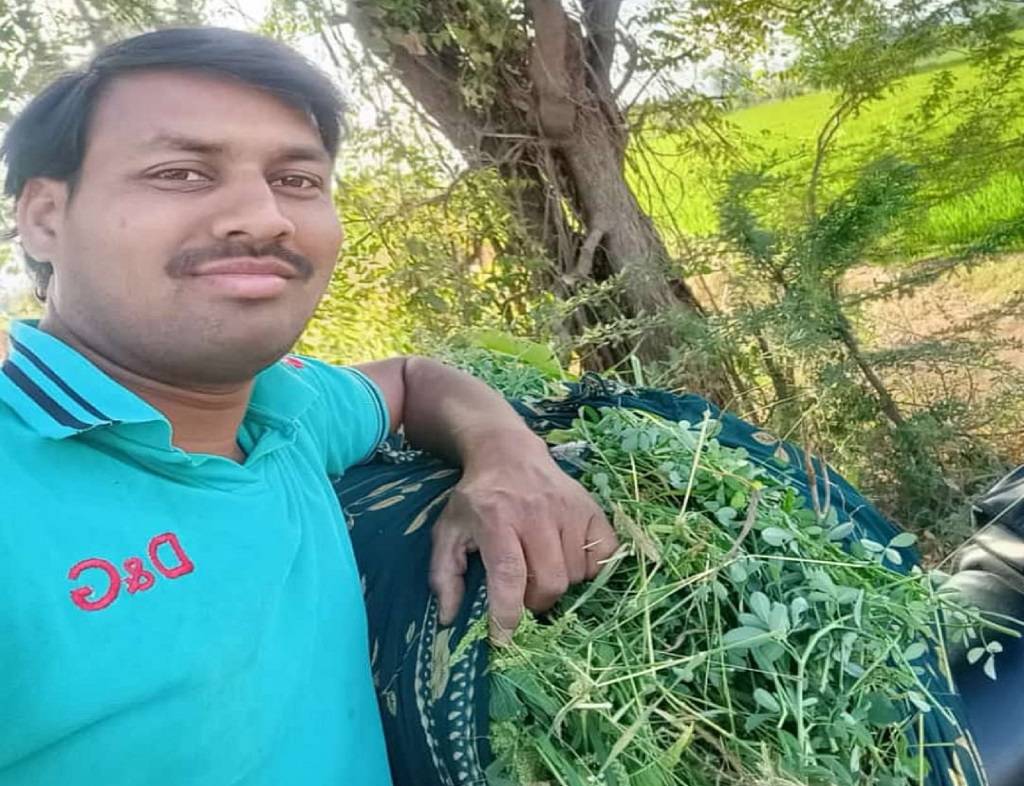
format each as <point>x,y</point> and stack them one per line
<point>558,133</point>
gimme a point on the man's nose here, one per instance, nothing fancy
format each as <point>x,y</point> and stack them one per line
<point>250,212</point>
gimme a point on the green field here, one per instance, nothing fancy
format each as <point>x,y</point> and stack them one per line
<point>961,200</point>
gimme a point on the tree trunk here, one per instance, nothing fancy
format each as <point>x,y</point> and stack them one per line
<point>556,132</point>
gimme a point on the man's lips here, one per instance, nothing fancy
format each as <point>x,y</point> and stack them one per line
<point>246,266</point>
<point>246,278</point>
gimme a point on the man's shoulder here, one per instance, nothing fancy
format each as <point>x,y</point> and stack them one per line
<point>329,379</point>
<point>347,417</point>
<point>14,431</point>
<point>324,395</point>
<point>31,466</point>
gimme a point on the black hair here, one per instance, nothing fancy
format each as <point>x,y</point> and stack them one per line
<point>49,137</point>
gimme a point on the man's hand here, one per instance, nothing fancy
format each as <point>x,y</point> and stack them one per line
<point>537,530</point>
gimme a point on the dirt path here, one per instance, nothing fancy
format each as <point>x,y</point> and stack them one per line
<point>949,305</point>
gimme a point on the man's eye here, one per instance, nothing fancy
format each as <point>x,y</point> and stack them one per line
<point>182,175</point>
<point>297,181</point>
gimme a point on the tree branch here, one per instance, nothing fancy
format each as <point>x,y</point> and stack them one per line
<point>632,61</point>
<point>599,20</point>
<point>822,146</point>
<point>585,262</point>
<point>432,82</point>
<point>551,69</point>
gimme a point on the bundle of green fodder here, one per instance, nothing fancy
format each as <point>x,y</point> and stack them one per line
<point>737,637</point>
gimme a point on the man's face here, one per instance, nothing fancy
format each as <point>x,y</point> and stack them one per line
<point>201,233</point>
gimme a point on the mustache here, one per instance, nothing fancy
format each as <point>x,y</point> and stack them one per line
<point>185,262</point>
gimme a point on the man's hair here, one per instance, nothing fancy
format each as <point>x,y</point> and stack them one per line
<point>49,137</point>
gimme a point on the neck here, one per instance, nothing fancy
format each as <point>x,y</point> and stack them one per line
<point>204,419</point>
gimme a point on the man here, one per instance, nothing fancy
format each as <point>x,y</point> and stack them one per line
<point>180,601</point>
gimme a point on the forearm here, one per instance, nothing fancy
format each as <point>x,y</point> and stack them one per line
<point>455,416</point>
<point>450,413</point>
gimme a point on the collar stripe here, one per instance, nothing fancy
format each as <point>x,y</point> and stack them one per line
<point>40,397</point>
<point>56,379</point>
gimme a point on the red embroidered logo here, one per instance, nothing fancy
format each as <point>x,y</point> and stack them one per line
<point>137,578</point>
<point>293,361</point>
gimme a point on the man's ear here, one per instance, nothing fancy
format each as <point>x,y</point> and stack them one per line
<point>40,216</point>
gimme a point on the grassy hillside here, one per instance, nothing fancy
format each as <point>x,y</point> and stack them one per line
<point>783,132</point>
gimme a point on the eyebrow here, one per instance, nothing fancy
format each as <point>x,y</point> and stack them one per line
<point>187,144</point>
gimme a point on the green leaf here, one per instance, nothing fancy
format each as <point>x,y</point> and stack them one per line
<point>767,653</point>
<point>882,711</point>
<point>751,620</point>
<point>761,606</point>
<point>779,621</point>
<point>903,540</point>
<point>847,595</point>
<point>893,556</point>
<point>528,689</point>
<point>975,654</point>
<point>726,515</point>
<point>539,356</point>
<point>990,667</point>
<point>775,536</point>
<point>766,700</point>
<point>841,531</point>
<point>744,637</point>
<point>738,572</point>
<point>915,650</point>
<point>505,704</point>
<point>919,701</point>
<point>797,608</point>
<point>855,670</point>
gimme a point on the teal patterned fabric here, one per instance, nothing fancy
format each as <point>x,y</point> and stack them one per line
<point>433,704</point>
<point>434,699</point>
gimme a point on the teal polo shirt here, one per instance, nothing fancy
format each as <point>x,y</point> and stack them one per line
<point>177,618</point>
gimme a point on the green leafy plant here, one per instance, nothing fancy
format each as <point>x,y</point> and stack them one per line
<point>517,367</point>
<point>731,640</point>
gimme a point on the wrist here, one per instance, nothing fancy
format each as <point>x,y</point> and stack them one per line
<point>489,445</point>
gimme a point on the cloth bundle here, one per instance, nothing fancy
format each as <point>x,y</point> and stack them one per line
<point>434,697</point>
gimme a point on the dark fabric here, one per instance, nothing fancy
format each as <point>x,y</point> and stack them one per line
<point>434,707</point>
<point>993,706</point>
<point>1003,504</point>
<point>990,574</point>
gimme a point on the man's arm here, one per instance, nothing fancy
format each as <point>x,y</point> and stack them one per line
<point>537,530</point>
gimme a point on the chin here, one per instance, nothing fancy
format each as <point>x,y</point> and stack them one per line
<point>232,359</point>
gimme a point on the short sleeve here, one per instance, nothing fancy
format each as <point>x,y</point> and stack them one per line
<point>350,419</point>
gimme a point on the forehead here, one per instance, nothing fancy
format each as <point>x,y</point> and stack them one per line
<point>136,109</point>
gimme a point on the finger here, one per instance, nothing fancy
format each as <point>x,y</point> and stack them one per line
<point>600,544</point>
<point>505,563</point>
<point>574,538</point>
<point>547,576</point>
<point>447,570</point>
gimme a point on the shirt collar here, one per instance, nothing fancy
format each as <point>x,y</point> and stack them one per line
<point>59,392</point>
